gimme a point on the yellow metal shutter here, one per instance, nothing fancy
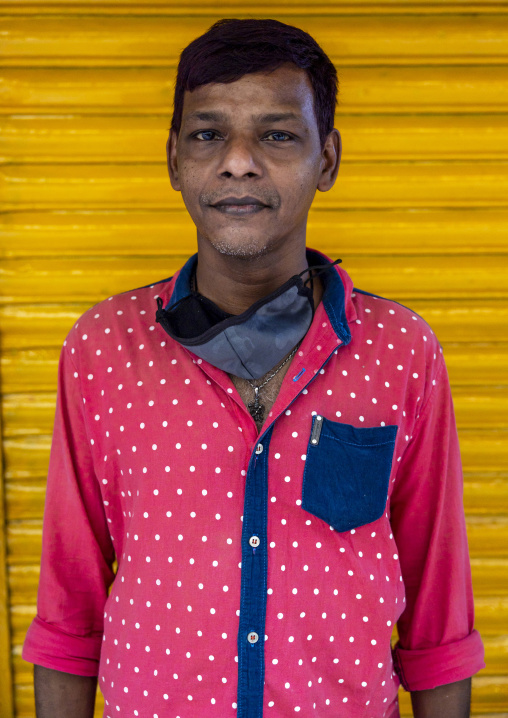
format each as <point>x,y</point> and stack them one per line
<point>419,214</point>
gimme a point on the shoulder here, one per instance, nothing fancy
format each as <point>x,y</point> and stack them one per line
<point>110,321</point>
<point>401,335</point>
<point>396,320</point>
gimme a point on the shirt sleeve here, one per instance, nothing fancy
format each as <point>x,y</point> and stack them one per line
<point>77,551</point>
<point>437,642</point>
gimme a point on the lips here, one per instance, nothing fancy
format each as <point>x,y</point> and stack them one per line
<point>239,206</point>
<point>239,202</point>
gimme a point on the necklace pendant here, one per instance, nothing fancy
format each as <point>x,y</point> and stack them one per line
<point>256,409</point>
<point>257,412</point>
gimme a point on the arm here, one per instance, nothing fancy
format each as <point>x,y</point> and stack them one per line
<point>438,646</point>
<point>450,701</point>
<point>77,550</point>
<point>59,695</point>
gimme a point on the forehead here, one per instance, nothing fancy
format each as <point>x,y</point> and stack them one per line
<point>287,88</point>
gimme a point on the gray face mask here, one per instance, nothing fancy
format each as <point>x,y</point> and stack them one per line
<point>246,345</point>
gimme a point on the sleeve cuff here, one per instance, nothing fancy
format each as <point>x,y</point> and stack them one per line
<point>48,646</point>
<point>421,669</point>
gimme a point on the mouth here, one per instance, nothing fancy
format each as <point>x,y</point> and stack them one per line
<point>239,206</point>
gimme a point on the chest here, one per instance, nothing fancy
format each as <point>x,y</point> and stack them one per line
<point>267,394</point>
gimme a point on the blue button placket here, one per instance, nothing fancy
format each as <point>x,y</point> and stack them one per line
<point>251,660</point>
<point>253,599</point>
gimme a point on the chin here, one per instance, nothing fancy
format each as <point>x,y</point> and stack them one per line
<point>242,248</point>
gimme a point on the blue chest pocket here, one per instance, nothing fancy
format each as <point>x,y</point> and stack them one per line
<point>347,472</point>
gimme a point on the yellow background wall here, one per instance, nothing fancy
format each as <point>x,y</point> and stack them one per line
<point>419,214</point>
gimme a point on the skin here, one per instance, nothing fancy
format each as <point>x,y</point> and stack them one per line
<point>246,254</point>
<point>61,695</point>
<point>452,700</point>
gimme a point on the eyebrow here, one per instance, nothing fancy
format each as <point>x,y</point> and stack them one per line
<point>207,116</point>
<point>271,117</point>
<point>277,117</point>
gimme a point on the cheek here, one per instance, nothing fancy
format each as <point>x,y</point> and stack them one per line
<point>189,179</point>
<point>191,186</point>
<point>302,189</point>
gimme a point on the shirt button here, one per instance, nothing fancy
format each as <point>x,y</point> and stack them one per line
<point>259,449</point>
<point>254,541</point>
<point>253,637</point>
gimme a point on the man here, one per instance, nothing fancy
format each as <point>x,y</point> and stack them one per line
<point>270,455</point>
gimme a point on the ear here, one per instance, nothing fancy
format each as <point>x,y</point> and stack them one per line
<point>172,160</point>
<point>330,161</point>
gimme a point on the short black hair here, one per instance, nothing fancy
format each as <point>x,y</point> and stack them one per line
<point>232,48</point>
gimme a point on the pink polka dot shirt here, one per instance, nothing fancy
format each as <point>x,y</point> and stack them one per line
<point>259,574</point>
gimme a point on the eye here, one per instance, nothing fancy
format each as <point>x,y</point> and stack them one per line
<point>207,134</point>
<point>281,136</point>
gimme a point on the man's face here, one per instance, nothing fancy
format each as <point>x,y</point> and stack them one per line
<point>254,138</point>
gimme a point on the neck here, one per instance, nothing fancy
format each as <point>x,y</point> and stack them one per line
<point>235,283</point>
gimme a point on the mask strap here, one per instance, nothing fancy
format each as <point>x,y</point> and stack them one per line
<point>320,269</point>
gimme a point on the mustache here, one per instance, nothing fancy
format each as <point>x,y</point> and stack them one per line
<point>268,197</point>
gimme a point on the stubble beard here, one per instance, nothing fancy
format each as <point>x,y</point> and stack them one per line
<point>241,250</point>
<point>243,247</point>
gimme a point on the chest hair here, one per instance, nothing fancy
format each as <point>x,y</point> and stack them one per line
<point>267,395</point>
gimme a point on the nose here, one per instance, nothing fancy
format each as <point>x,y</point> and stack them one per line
<point>238,159</point>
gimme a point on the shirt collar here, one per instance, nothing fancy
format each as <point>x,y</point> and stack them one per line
<point>337,294</point>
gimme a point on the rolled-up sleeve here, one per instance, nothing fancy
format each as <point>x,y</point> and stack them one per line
<point>77,551</point>
<point>437,641</point>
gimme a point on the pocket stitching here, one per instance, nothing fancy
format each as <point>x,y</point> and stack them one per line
<point>351,443</point>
